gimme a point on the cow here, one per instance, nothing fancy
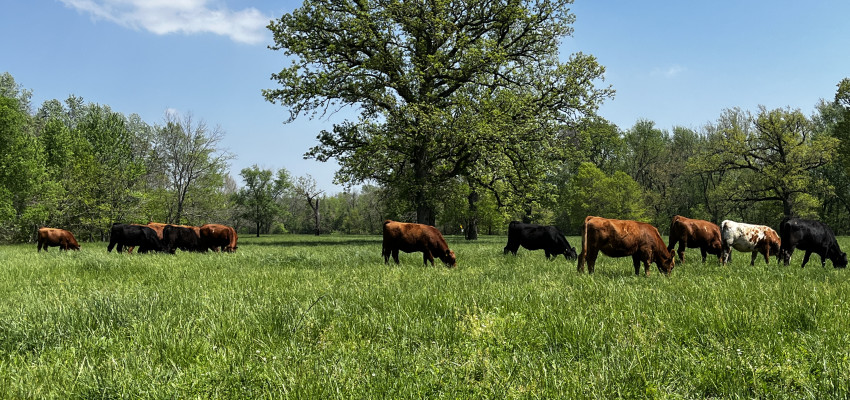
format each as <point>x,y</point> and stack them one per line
<point>156,226</point>
<point>410,238</point>
<point>133,235</point>
<point>56,237</point>
<point>536,237</point>
<point>217,236</point>
<point>621,238</point>
<point>812,237</point>
<point>748,238</point>
<point>186,238</point>
<point>694,233</point>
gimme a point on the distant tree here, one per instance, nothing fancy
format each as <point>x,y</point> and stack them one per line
<point>11,89</point>
<point>772,154</point>
<point>611,196</point>
<point>21,172</point>
<point>305,188</point>
<point>259,197</point>
<point>412,66</point>
<point>193,163</point>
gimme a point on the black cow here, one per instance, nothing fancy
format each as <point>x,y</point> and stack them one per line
<point>180,237</point>
<point>133,235</point>
<point>536,237</point>
<point>812,237</point>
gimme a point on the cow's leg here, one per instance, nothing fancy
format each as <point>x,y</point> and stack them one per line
<point>683,245</point>
<point>646,267</point>
<point>111,246</point>
<point>753,258</point>
<point>591,261</point>
<point>704,253</point>
<point>822,260</point>
<point>395,256</point>
<point>580,266</point>
<point>385,252</point>
<point>806,258</point>
<point>636,262</point>
<point>725,254</point>
<point>427,256</point>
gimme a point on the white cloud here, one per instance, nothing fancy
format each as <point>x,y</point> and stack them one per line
<point>187,16</point>
<point>669,72</point>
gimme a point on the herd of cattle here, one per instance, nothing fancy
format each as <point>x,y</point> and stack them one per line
<point>641,241</point>
<point>154,236</point>
<point>612,237</point>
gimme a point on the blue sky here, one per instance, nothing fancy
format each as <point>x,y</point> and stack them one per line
<point>678,63</point>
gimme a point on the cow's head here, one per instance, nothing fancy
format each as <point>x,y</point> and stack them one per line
<point>666,263</point>
<point>785,256</point>
<point>840,261</point>
<point>570,253</point>
<point>449,258</point>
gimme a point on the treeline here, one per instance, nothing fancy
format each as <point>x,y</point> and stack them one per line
<point>81,166</point>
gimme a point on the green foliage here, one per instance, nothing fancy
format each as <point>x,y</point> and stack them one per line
<point>771,156</point>
<point>428,77</point>
<point>260,196</point>
<point>610,196</point>
<point>21,171</point>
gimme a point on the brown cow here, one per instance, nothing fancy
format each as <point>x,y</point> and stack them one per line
<point>56,237</point>
<point>411,238</point>
<point>620,238</point>
<point>694,233</point>
<point>215,236</point>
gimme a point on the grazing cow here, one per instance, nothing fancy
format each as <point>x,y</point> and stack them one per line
<point>536,237</point>
<point>748,238</point>
<point>812,237</point>
<point>410,238</point>
<point>56,237</point>
<point>216,236</point>
<point>694,233</point>
<point>186,238</point>
<point>156,226</point>
<point>133,235</point>
<point>621,238</point>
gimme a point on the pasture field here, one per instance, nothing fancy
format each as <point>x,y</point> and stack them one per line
<point>323,317</point>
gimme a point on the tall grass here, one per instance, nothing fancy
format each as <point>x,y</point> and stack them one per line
<point>323,317</point>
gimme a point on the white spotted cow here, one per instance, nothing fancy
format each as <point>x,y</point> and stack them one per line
<point>748,238</point>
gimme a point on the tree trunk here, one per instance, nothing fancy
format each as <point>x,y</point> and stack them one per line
<point>472,221</point>
<point>316,215</point>
<point>258,228</point>
<point>786,206</point>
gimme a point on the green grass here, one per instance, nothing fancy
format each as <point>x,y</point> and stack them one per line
<point>323,317</point>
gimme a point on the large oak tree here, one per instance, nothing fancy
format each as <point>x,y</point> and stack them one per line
<point>415,69</point>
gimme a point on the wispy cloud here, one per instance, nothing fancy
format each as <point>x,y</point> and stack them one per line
<point>171,16</point>
<point>669,72</point>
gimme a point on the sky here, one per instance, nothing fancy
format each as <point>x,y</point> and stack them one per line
<point>677,63</point>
